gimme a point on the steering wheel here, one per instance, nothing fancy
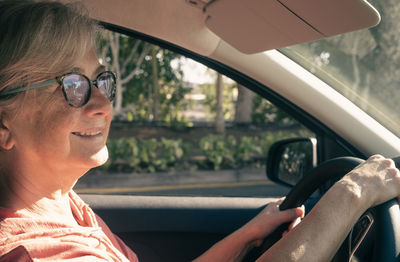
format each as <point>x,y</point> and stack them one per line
<point>386,216</point>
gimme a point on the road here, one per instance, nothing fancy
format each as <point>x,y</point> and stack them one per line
<point>246,182</point>
<point>234,191</point>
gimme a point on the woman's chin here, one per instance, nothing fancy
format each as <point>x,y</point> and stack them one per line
<point>99,157</point>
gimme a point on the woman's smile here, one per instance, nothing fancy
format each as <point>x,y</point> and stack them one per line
<point>89,132</point>
<point>90,135</point>
<point>93,135</point>
<point>86,133</point>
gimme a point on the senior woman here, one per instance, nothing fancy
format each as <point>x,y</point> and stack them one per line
<point>55,114</point>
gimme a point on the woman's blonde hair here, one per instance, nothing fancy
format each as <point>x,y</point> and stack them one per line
<point>40,40</point>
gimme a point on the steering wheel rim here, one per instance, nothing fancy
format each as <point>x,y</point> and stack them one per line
<point>387,218</point>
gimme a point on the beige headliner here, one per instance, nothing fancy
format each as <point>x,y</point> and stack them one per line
<point>249,25</point>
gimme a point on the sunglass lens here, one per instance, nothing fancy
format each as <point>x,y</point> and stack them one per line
<point>76,89</point>
<point>106,84</point>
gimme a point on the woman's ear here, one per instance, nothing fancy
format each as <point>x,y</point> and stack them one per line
<point>6,141</point>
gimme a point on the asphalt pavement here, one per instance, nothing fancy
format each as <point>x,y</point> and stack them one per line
<point>243,182</point>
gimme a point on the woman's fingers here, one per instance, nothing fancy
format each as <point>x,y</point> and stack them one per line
<point>375,181</point>
<point>376,157</point>
<point>294,223</point>
<point>273,207</point>
<point>271,217</point>
<point>291,226</point>
<point>301,212</point>
<point>279,217</point>
<point>289,215</point>
<point>297,221</point>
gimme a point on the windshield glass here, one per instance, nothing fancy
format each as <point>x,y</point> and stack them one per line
<point>364,66</point>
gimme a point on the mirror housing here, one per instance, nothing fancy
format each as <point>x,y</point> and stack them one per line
<point>289,160</point>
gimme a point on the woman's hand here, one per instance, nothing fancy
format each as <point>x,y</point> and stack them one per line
<point>236,245</point>
<point>270,218</point>
<point>328,223</point>
<point>375,181</point>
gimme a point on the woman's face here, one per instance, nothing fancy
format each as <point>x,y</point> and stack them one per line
<point>50,133</point>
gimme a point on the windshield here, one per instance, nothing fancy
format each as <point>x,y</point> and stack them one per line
<point>364,66</point>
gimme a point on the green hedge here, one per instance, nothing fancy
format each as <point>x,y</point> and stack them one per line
<point>229,152</point>
<point>129,154</point>
<point>216,152</point>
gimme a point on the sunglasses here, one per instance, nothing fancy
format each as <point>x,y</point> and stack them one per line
<point>77,88</point>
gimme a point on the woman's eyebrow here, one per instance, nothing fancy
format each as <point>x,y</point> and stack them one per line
<point>99,69</point>
<point>77,70</point>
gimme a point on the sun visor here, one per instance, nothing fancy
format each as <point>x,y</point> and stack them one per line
<point>253,26</point>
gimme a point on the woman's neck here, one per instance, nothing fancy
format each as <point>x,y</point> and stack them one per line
<point>37,194</point>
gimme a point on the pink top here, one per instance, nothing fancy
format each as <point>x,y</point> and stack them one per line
<point>26,239</point>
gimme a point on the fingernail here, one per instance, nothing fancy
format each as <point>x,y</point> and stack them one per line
<point>299,212</point>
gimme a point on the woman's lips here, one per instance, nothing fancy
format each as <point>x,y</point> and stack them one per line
<point>87,134</point>
<point>90,132</point>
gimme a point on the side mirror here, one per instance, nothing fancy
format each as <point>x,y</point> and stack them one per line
<point>290,159</point>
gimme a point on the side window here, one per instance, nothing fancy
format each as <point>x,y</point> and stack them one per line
<point>180,128</point>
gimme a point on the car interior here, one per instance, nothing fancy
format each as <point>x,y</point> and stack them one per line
<point>239,39</point>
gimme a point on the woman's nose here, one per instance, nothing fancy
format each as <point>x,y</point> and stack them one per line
<point>98,105</point>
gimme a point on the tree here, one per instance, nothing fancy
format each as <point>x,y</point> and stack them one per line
<point>244,105</point>
<point>123,61</point>
<point>266,112</point>
<point>219,118</point>
<point>148,86</point>
<point>156,84</point>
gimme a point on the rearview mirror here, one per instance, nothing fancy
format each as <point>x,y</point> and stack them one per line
<point>289,160</point>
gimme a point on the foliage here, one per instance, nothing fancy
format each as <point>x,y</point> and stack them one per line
<point>128,55</point>
<point>271,137</point>
<point>219,151</point>
<point>210,100</point>
<point>139,95</point>
<point>295,162</point>
<point>131,155</point>
<point>265,112</point>
<point>249,152</point>
<point>151,80</point>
